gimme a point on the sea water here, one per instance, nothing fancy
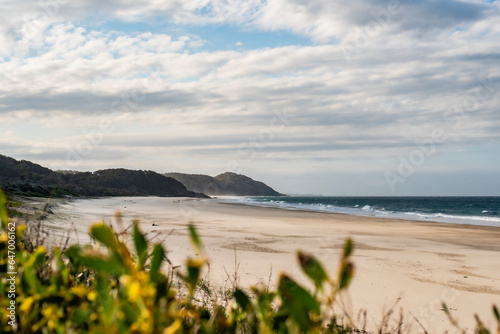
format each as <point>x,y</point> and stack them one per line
<point>458,210</point>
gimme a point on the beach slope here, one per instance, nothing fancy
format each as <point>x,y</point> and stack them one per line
<point>415,265</point>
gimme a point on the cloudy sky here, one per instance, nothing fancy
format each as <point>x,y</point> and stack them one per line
<point>379,97</point>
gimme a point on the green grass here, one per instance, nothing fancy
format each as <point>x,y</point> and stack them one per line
<point>13,203</point>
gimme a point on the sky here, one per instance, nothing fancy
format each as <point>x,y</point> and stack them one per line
<point>379,97</point>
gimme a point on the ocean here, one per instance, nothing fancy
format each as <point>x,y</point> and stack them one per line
<point>456,210</point>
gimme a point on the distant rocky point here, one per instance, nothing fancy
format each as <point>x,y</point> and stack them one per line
<point>225,184</point>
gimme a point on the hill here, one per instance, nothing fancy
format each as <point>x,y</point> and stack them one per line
<point>225,184</point>
<point>198,181</point>
<point>29,179</point>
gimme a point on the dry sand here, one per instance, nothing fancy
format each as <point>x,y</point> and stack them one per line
<point>418,264</point>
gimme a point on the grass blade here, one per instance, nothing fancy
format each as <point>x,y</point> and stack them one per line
<point>141,245</point>
<point>4,216</point>
<point>195,239</point>
<point>242,299</point>
<point>348,247</point>
<point>313,269</point>
<point>104,235</point>
<point>158,256</point>
<point>346,274</point>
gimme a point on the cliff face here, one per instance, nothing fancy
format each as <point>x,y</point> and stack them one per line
<point>226,184</point>
<point>29,179</point>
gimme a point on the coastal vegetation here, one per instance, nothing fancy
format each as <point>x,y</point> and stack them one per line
<point>124,283</point>
<point>24,178</point>
<point>225,184</point>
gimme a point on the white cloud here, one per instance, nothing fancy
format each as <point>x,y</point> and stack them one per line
<point>364,91</point>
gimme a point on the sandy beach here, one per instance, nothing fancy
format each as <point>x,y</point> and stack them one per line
<point>417,264</point>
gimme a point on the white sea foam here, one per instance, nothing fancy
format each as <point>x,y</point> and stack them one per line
<point>368,210</point>
<point>479,218</point>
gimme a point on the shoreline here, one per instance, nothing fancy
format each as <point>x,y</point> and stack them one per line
<point>427,221</point>
<point>384,220</point>
<point>330,205</point>
<point>416,263</point>
<point>37,203</point>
